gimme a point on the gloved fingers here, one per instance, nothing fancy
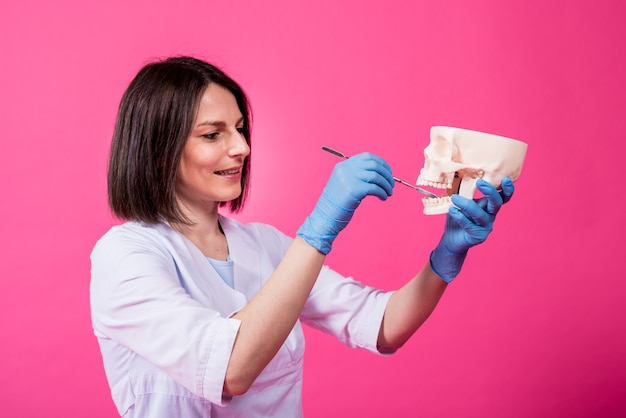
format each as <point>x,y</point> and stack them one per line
<point>492,196</point>
<point>357,177</point>
<point>507,189</point>
<point>473,210</point>
<point>370,168</point>
<point>368,156</point>
<point>373,188</point>
<point>374,163</point>
<point>456,215</point>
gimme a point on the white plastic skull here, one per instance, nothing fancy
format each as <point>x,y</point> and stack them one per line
<point>456,158</point>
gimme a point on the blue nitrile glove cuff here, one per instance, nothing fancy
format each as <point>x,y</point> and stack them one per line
<point>445,263</point>
<point>319,230</point>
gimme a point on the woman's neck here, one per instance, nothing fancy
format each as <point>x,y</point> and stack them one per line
<point>207,234</point>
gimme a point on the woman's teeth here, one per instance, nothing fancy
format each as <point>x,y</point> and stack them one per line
<point>227,172</point>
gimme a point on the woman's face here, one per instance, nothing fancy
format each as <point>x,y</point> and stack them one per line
<point>212,161</point>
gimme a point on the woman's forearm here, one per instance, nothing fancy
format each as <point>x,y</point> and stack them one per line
<point>409,307</point>
<point>269,317</point>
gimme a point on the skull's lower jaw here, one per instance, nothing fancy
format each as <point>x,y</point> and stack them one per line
<point>439,205</point>
<point>436,205</point>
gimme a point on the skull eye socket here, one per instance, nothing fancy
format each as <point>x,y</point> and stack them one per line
<point>441,147</point>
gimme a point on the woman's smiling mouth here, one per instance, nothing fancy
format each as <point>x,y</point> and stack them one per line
<point>229,172</point>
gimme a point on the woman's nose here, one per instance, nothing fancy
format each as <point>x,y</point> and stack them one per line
<point>239,145</point>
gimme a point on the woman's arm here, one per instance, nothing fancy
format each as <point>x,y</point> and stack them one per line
<point>408,308</point>
<point>468,224</point>
<point>269,317</point>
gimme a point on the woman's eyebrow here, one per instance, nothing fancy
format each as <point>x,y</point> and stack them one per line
<point>212,123</point>
<point>218,123</point>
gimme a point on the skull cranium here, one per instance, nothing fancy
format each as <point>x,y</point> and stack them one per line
<point>456,158</point>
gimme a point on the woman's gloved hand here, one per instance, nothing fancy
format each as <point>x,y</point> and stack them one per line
<point>351,180</point>
<point>468,224</point>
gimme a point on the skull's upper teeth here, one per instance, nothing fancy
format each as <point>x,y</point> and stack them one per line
<point>435,184</point>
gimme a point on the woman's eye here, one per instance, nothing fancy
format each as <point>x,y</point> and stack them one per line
<point>241,130</point>
<point>211,135</point>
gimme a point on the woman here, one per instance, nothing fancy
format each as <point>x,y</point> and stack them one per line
<point>198,315</point>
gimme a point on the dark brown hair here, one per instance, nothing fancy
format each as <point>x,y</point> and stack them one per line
<point>154,120</point>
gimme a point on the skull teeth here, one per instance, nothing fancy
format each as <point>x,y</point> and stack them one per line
<point>430,201</point>
<point>436,206</point>
<point>435,184</point>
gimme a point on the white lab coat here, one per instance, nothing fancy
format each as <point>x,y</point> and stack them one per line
<point>162,317</point>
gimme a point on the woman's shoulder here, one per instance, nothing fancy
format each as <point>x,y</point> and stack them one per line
<point>129,235</point>
<point>130,230</point>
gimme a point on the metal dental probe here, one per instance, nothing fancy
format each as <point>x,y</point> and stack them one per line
<point>419,189</point>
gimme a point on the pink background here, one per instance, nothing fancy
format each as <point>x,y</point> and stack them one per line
<point>535,325</point>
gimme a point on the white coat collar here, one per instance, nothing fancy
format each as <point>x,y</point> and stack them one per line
<point>201,280</point>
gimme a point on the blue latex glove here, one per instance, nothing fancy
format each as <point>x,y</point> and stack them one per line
<point>351,180</point>
<point>467,225</point>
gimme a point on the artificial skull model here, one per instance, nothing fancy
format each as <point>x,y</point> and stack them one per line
<point>456,158</point>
